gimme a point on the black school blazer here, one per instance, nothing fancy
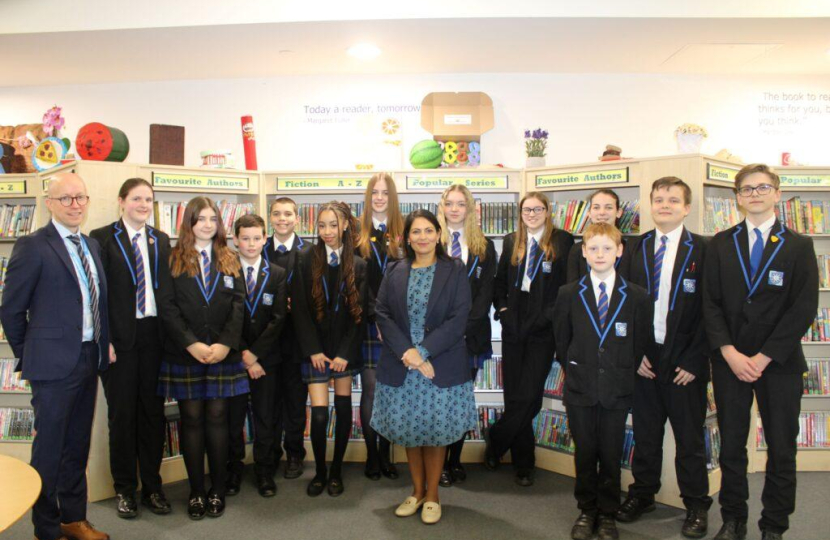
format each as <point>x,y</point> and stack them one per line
<point>118,260</point>
<point>191,314</point>
<point>769,314</point>
<point>481,275</point>
<point>265,315</point>
<point>446,321</point>
<point>536,323</point>
<point>600,363</point>
<point>685,345</point>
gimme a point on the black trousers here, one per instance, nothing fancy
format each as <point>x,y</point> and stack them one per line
<point>598,435</point>
<point>685,407</point>
<point>291,397</point>
<point>135,412</point>
<point>63,421</point>
<point>779,404</point>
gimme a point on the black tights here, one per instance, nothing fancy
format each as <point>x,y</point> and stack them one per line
<point>204,426</point>
<point>454,450</point>
<point>374,456</point>
<point>342,431</point>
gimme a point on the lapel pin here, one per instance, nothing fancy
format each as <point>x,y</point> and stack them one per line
<point>773,239</point>
<point>151,241</point>
<point>374,239</point>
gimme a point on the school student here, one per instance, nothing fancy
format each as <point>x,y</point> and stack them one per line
<point>135,259</point>
<point>671,379</point>
<point>602,324</point>
<point>203,316</point>
<point>285,248</point>
<point>329,308</point>
<point>760,297</point>
<point>603,207</point>
<point>462,239</point>
<point>379,243</point>
<point>530,271</point>
<point>265,305</point>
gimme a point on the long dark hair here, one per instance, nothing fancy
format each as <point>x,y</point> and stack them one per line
<point>319,264</point>
<point>394,221</point>
<point>429,216</point>
<point>183,257</point>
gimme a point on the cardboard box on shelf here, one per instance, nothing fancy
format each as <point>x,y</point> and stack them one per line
<point>457,120</point>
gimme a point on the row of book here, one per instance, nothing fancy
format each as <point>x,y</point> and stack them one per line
<point>4,264</point>
<point>357,425</point>
<point>720,214</point>
<point>489,377</point>
<point>497,217</point>
<point>167,216</point>
<point>572,216</point>
<point>16,220</point>
<point>813,431</point>
<point>10,380</point>
<point>817,378</point>
<point>809,217</point>
<point>823,262</point>
<point>16,424</point>
<point>819,331</point>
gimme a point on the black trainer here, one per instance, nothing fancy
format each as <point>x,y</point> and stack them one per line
<point>583,528</point>
<point>696,524</point>
<point>607,528</point>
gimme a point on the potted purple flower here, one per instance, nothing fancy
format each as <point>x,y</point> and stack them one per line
<point>536,143</point>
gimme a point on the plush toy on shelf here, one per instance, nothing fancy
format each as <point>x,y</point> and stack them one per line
<point>97,142</point>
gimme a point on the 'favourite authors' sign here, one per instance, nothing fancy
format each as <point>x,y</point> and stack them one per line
<point>192,181</point>
<point>610,176</point>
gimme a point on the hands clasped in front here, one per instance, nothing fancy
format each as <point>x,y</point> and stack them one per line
<point>319,361</point>
<point>208,354</point>
<point>412,359</point>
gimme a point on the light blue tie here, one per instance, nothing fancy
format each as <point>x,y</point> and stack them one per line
<point>756,252</point>
<point>281,248</point>
<point>333,261</point>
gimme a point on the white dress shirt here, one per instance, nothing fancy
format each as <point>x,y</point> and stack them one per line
<point>609,287</point>
<point>461,240</point>
<point>150,309</point>
<point>245,267</point>
<point>339,252</point>
<point>209,250</point>
<point>661,307</point>
<point>288,243</point>
<point>765,227</point>
<point>525,278</point>
<point>88,333</point>
<point>376,223</point>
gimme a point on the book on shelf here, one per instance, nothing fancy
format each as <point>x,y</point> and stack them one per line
<point>4,265</point>
<point>171,440</point>
<point>720,214</point>
<point>823,262</point>
<point>572,216</point>
<point>357,427</point>
<point>487,416</point>
<point>808,217</point>
<point>489,377</point>
<point>711,407</point>
<point>16,424</point>
<point>711,437</point>
<point>812,433</point>
<point>16,220</point>
<point>817,377</point>
<point>10,380</point>
<point>555,383</point>
<point>167,216</point>
<point>497,217</point>
<point>819,331</point>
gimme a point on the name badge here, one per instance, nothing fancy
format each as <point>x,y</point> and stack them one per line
<point>689,285</point>
<point>478,272</point>
<point>547,267</point>
<point>268,299</point>
<point>621,329</point>
<point>229,282</point>
<point>776,278</point>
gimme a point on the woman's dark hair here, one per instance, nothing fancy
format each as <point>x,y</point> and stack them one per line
<point>131,184</point>
<point>346,223</point>
<point>429,216</point>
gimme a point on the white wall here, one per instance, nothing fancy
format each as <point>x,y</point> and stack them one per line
<point>582,112</point>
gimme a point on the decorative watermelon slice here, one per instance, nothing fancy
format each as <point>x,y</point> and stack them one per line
<point>97,142</point>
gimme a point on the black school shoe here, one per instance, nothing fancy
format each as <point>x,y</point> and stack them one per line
<point>335,486</point>
<point>197,507</point>
<point>233,483</point>
<point>156,502</point>
<point>696,524</point>
<point>316,486</point>
<point>126,506</point>
<point>634,507</point>
<point>215,505</point>
<point>458,473</point>
<point>607,528</point>
<point>769,535</point>
<point>583,528</point>
<point>294,468</point>
<point>446,479</point>
<point>265,485</point>
<point>388,469</point>
<point>732,530</point>
<point>491,461</point>
<point>524,478</point>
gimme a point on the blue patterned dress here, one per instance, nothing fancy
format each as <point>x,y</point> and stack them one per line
<point>418,413</point>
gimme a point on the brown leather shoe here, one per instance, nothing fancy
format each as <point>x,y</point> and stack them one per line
<point>83,530</point>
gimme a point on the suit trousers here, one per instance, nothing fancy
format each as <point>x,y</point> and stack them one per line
<point>136,412</point>
<point>684,407</point>
<point>264,409</point>
<point>779,404</point>
<point>63,421</point>
<point>598,435</point>
<point>291,397</point>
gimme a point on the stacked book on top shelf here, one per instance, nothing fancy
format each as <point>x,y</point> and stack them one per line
<point>572,216</point>
<point>167,216</point>
<point>808,217</point>
<point>817,378</point>
<point>16,220</point>
<point>719,214</point>
<point>820,329</point>
<point>10,380</point>
<point>813,431</point>
<point>16,424</point>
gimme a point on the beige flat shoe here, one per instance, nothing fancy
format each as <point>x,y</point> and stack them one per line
<point>409,507</point>
<point>431,513</point>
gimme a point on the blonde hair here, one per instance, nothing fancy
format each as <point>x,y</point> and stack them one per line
<point>394,220</point>
<point>520,245</point>
<point>476,241</point>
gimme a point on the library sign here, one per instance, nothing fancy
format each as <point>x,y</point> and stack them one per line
<point>13,188</point>
<point>328,183</point>
<point>192,181</point>
<point>443,182</point>
<point>720,174</point>
<point>805,180</point>
<point>609,176</point>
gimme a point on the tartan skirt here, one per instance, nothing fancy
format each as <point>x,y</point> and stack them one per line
<point>477,360</point>
<point>372,346</point>
<point>201,381</point>
<point>311,375</point>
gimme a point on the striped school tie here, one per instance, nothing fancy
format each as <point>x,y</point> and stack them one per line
<point>333,260</point>
<point>382,228</point>
<point>281,248</point>
<point>93,291</point>
<point>756,253</point>
<point>140,281</point>
<point>206,269</point>
<point>531,259</point>
<point>456,245</point>
<point>250,283</point>
<point>602,305</point>
<point>658,265</point>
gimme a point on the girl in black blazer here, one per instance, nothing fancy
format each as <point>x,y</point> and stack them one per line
<point>463,239</point>
<point>379,244</point>
<point>134,256</point>
<point>203,322</point>
<point>329,309</point>
<point>531,270</point>
<point>603,207</point>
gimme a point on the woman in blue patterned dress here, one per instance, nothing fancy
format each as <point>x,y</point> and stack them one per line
<point>424,399</point>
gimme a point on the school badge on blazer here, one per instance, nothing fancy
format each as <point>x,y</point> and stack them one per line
<point>621,329</point>
<point>229,282</point>
<point>547,267</point>
<point>268,299</point>
<point>689,285</point>
<point>776,278</point>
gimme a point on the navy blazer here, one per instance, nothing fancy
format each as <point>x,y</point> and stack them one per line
<point>42,311</point>
<point>446,320</point>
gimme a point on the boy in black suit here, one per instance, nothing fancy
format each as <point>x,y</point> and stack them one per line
<point>602,324</point>
<point>265,306</point>
<point>760,296</point>
<point>284,249</point>
<point>672,377</point>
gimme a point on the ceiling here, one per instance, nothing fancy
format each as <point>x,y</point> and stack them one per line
<point>717,46</point>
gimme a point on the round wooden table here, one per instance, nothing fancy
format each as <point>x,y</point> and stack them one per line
<point>21,487</point>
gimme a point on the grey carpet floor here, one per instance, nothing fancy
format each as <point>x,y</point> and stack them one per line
<point>488,506</point>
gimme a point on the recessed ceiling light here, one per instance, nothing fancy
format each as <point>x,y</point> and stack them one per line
<point>364,51</point>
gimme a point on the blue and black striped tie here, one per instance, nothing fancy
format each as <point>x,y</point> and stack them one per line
<point>140,280</point>
<point>206,269</point>
<point>658,265</point>
<point>333,260</point>
<point>602,305</point>
<point>250,284</point>
<point>456,245</point>
<point>531,259</point>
